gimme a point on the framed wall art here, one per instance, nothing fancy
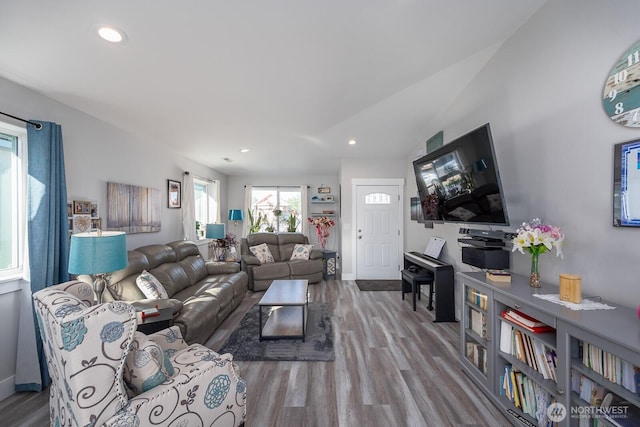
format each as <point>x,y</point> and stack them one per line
<point>81,207</point>
<point>133,209</point>
<point>174,193</point>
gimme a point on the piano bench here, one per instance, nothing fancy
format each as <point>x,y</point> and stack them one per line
<point>411,282</point>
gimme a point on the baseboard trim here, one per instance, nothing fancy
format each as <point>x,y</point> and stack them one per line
<point>7,387</point>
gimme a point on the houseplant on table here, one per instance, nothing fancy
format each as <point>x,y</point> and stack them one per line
<point>537,238</point>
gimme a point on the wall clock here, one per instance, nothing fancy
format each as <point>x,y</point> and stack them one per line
<point>621,98</point>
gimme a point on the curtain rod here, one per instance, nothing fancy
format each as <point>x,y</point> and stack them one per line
<point>37,125</point>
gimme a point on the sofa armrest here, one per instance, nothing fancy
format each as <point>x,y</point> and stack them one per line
<point>142,304</point>
<point>217,267</point>
<point>316,254</point>
<point>250,260</point>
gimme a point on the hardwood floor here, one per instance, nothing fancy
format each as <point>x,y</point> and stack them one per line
<point>393,367</point>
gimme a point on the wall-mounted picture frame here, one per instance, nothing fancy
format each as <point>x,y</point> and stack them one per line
<point>95,210</point>
<point>324,190</point>
<point>174,189</point>
<point>69,210</point>
<point>329,198</point>
<point>81,207</point>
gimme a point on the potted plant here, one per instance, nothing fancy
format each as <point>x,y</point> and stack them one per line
<point>255,222</point>
<point>292,223</point>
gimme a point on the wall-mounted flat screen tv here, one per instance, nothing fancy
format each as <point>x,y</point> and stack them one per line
<point>626,184</point>
<point>459,182</point>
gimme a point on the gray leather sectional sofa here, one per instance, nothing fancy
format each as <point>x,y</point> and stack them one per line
<point>201,293</point>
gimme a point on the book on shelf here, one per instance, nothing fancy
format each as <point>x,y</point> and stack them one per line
<point>526,322</point>
<point>478,323</point>
<point>530,351</point>
<point>498,276</point>
<point>611,367</point>
<point>525,394</point>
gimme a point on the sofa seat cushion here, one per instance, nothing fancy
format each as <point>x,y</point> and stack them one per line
<point>300,268</point>
<point>276,270</point>
<point>207,303</point>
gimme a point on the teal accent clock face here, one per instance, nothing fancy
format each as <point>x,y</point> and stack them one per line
<point>621,97</point>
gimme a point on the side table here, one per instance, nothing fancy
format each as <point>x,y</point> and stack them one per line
<point>330,264</point>
<point>149,325</point>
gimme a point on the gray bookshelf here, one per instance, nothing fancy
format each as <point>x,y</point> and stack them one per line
<point>588,352</point>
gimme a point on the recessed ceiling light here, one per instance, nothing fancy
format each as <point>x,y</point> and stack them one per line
<point>352,142</point>
<point>112,34</point>
<point>244,150</point>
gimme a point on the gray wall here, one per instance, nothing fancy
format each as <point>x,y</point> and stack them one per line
<point>542,94</point>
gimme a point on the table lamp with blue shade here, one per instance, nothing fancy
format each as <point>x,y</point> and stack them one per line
<point>215,231</point>
<point>235,215</point>
<point>98,254</point>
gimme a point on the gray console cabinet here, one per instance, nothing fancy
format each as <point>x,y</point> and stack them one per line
<point>593,350</point>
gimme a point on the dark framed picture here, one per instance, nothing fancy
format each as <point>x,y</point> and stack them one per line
<point>175,194</point>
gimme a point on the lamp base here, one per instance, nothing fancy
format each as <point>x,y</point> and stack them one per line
<point>99,283</point>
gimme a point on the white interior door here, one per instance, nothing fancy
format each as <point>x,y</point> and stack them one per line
<point>377,232</point>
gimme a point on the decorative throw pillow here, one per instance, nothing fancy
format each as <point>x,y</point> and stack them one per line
<point>301,251</point>
<point>262,252</point>
<point>146,365</point>
<point>150,286</point>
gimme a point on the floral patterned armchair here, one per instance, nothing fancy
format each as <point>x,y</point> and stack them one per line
<point>105,373</point>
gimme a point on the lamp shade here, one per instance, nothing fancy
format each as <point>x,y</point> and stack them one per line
<point>216,231</point>
<point>95,253</point>
<point>235,215</point>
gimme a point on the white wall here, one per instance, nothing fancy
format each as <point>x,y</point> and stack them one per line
<point>95,153</point>
<point>542,94</point>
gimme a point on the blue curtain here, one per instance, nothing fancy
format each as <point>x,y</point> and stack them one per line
<point>48,244</point>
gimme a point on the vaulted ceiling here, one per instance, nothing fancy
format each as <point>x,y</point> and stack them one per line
<point>291,80</point>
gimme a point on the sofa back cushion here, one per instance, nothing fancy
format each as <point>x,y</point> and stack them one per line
<point>158,254</point>
<point>271,239</point>
<point>286,243</point>
<point>189,258</point>
<point>172,276</point>
<point>122,283</point>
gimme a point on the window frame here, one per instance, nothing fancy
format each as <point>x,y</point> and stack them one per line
<point>18,202</point>
<point>279,222</point>
<point>213,203</point>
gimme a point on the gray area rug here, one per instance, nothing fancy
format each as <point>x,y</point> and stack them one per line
<point>245,345</point>
<point>379,285</point>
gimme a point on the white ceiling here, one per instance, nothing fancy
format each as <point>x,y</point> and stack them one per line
<point>292,80</point>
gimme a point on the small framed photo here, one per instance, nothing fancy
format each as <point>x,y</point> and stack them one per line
<point>96,224</point>
<point>324,190</point>
<point>329,198</point>
<point>81,207</point>
<point>95,210</point>
<point>174,194</point>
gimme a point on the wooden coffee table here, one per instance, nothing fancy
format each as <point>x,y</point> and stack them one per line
<point>287,317</point>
